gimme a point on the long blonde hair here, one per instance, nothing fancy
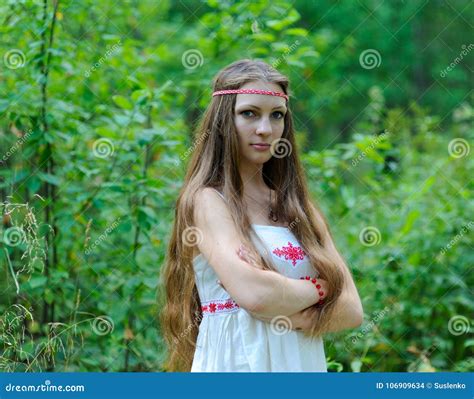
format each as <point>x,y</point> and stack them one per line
<point>215,163</point>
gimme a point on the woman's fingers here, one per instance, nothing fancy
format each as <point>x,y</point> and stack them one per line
<point>324,288</point>
<point>246,256</point>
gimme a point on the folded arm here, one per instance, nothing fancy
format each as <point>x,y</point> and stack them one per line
<point>348,311</point>
<point>263,291</point>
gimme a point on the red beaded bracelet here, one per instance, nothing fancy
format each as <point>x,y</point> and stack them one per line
<point>318,287</point>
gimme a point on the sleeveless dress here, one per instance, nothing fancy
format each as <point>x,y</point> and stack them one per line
<point>231,340</point>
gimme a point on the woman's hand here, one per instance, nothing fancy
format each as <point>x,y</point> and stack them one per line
<point>248,257</point>
<point>300,321</point>
<point>304,320</point>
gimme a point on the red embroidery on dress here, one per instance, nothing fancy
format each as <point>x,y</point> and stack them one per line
<point>219,306</point>
<point>290,252</point>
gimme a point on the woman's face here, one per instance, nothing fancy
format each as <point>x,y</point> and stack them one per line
<point>259,119</point>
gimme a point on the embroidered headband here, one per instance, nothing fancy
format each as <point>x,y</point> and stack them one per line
<point>250,91</point>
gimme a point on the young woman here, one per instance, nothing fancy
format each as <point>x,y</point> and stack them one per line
<point>252,278</point>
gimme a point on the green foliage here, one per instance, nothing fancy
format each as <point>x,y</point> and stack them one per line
<point>400,207</point>
<point>99,103</point>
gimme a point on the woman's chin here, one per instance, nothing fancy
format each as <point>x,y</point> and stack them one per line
<point>259,159</point>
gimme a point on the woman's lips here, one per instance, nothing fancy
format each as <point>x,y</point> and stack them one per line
<point>261,147</point>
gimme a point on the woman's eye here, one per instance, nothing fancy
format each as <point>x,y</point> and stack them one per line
<point>278,113</point>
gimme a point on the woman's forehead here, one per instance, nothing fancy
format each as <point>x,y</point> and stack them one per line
<point>260,100</point>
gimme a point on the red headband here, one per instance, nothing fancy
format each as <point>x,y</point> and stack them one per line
<point>250,91</point>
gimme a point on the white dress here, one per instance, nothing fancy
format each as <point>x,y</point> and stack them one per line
<point>230,339</point>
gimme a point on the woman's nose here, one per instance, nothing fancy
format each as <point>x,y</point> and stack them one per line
<point>264,126</point>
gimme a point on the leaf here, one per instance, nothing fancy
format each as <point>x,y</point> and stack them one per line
<point>37,281</point>
<point>49,178</point>
<point>34,184</point>
<point>44,229</point>
<point>467,344</point>
<point>140,96</point>
<point>121,120</point>
<point>148,211</point>
<point>106,131</point>
<point>122,102</point>
<point>297,32</point>
<point>411,218</point>
<point>279,24</point>
<point>150,282</point>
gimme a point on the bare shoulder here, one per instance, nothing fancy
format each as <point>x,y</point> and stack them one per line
<point>205,195</point>
<point>208,201</point>
<point>211,212</point>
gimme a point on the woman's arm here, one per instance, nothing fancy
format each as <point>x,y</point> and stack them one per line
<point>263,291</point>
<point>344,317</point>
<point>303,320</point>
<point>348,312</point>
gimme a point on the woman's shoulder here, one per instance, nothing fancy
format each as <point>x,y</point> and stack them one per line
<point>207,194</point>
<point>209,205</point>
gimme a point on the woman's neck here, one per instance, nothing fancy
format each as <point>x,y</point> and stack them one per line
<point>252,178</point>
